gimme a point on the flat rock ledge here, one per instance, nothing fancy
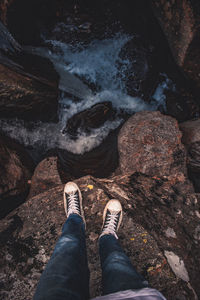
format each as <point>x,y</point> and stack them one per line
<point>160,227</point>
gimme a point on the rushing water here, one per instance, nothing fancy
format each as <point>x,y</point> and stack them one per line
<point>100,65</point>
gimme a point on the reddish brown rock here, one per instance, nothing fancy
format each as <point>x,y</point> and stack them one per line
<point>15,172</point>
<point>191,139</point>
<point>191,132</point>
<point>160,214</point>
<point>150,142</point>
<point>45,176</point>
<point>180,22</point>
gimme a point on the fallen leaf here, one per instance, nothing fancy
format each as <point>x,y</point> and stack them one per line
<point>143,234</point>
<point>90,186</point>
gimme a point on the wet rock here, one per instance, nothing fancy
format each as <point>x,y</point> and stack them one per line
<point>191,139</point>
<point>100,161</point>
<point>25,98</point>
<point>190,131</point>
<point>181,105</point>
<point>7,42</point>
<point>150,142</point>
<point>88,119</point>
<point>24,60</point>
<point>45,176</point>
<point>180,23</point>
<point>3,10</point>
<point>16,168</point>
<point>150,206</point>
<point>141,77</point>
<point>28,82</point>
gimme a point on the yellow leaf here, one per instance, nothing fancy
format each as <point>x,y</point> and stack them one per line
<point>143,234</point>
<point>90,186</point>
<point>145,241</point>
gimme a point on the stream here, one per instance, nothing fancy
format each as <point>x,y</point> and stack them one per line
<point>100,74</point>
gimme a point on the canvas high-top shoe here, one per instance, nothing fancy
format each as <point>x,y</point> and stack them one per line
<point>112,217</point>
<point>73,200</point>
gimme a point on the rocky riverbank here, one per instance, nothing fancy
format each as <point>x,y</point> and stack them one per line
<point>160,231</point>
<point>150,160</point>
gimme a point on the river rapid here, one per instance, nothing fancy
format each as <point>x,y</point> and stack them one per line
<point>99,74</point>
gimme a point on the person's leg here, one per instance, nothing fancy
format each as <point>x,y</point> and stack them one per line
<point>118,273</point>
<point>66,276</point>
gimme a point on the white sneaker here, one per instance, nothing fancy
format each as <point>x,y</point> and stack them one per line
<point>73,200</point>
<point>112,218</point>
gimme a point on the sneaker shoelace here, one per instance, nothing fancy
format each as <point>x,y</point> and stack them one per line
<point>73,204</point>
<point>110,224</point>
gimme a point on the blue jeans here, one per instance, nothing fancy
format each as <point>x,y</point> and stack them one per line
<point>66,276</point>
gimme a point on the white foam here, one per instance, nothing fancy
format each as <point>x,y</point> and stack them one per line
<point>159,96</point>
<point>45,136</point>
<point>96,62</point>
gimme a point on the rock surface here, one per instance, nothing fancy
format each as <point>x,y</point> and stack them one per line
<point>3,9</point>
<point>141,78</point>
<point>191,139</point>
<point>161,219</point>
<point>182,105</point>
<point>16,168</point>
<point>190,131</point>
<point>99,162</point>
<point>26,98</point>
<point>151,206</point>
<point>180,22</point>
<point>28,82</point>
<point>8,43</point>
<point>150,142</point>
<point>45,176</point>
<point>88,119</point>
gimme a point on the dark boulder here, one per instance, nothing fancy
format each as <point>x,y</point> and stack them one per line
<point>181,105</point>
<point>180,22</point>
<point>3,10</point>
<point>28,82</point>
<point>7,43</point>
<point>91,118</point>
<point>142,74</point>
<point>16,168</point>
<point>26,98</point>
<point>150,142</point>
